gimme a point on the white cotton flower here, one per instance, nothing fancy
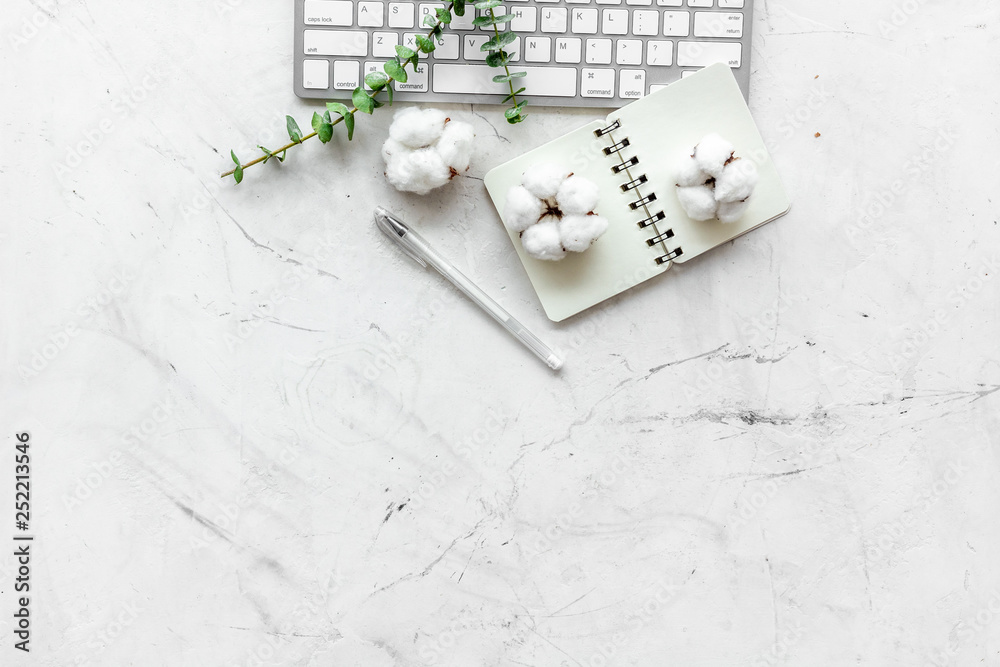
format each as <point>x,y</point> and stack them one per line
<point>578,232</point>
<point>416,127</point>
<point>577,195</point>
<point>425,150</point>
<point>732,211</point>
<point>418,171</point>
<point>689,173</point>
<point>553,211</point>
<point>521,209</point>
<point>711,154</point>
<point>698,201</point>
<point>736,182</point>
<point>455,145</point>
<point>543,179</point>
<point>542,240</point>
<point>715,182</point>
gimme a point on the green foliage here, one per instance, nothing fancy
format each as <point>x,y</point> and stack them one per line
<point>323,126</point>
<point>294,133</point>
<point>366,101</point>
<point>238,173</point>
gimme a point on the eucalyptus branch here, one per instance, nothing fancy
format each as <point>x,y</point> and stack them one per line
<point>367,102</point>
<point>498,57</point>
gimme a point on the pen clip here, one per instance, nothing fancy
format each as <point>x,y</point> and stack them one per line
<point>397,231</point>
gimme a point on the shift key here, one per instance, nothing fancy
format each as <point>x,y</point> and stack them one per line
<point>549,81</point>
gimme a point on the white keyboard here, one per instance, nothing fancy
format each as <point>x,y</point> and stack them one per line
<point>585,53</point>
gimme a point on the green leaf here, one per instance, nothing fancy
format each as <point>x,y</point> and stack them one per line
<point>506,38</point>
<point>497,59</point>
<point>294,133</point>
<point>459,7</point>
<point>511,112</point>
<point>281,158</point>
<point>238,174</point>
<point>339,109</point>
<point>235,159</point>
<point>324,130</point>
<point>425,44</point>
<point>443,15</point>
<point>502,78</point>
<point>491,19</point>
<point>488,4</point>
<point>389,90</point>
<point>349,124</point>
<point>510,96</point>
<point>376,80</point>
<point>362,100</point>
<point>395,70</point>
<point>404,52</point>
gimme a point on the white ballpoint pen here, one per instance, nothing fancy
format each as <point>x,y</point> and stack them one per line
<point>416,247</point>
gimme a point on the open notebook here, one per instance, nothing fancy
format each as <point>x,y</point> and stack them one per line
<point>657,131</point>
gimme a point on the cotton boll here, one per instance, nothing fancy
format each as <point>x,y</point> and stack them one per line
<point>578,232</point>
<point>689,173</point>
<point>698,201</point>
<point>416,128</point>
<point>711,154</point>
<point>521,209</point>
<point>392,147</point>
<point>736,182</point>
<point>455,145</point>
<point>543,180</point>
<point>419,171</point>
<point>577,195</point>
<point>542,240</point>
<point>732,211</point>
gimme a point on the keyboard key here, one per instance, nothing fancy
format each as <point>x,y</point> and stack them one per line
<point>346,74</point>
<point>615,22</point>
<point>628,52</point>
<point>425,10</point>
<point>329,12</point>
<point>525,19</point>
<point>401,14</point>
<point>597,83</point>
<point>585,21</point>
<point>447,47</point>
<point>676,24</point>
<point>316,74</point>
<point>537,49</point>
<point>730,4</point>
<point>554,19</point>
<point>598,51</point>
<point>641,3</point>
<point>718,24</point>
<point>702,54</point>
<point>659,53</point>
<point>631,83</point>
<point>471,45</point>
<point>370,67</point>
<point>384,44</point>
<point>335,42</point>
<point>577,2</point>
<point>646,22</point>
<point>655,87</point>
<point>370,14</point>
<point>699,3</point>
<point>550,81</point>
<point>609,2</point>
<point>569,50</point>
<point>670,3</point>
<point>416,80</point>
<point>463,22</point>
<point>410,42</point>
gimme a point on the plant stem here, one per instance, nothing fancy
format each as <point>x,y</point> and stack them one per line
<point>372,94</point>
<point>510,83</point>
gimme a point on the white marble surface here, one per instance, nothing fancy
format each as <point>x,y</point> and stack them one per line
<point>785,452</point>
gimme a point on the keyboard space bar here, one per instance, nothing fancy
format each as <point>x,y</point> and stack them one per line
<point>478,79</point>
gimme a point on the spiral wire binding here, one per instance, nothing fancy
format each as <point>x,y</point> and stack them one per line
<point>644,201</point>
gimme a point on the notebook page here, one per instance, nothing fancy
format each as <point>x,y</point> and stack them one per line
<point>666,125</point>
<point>620,259</point>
